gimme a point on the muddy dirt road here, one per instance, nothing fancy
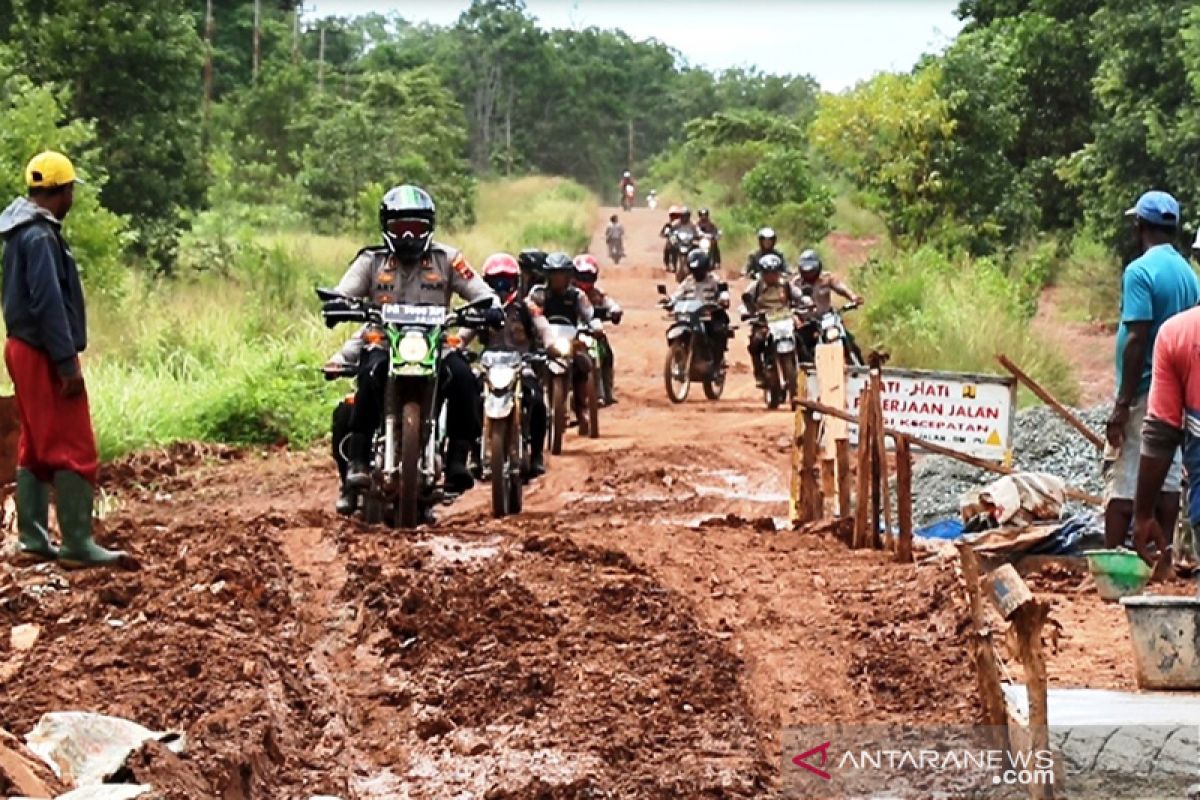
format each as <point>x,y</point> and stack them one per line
<point>643,631</point>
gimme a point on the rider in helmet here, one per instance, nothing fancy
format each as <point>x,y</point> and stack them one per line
<point>766,244</point>
<point>820,285</point>
<point>710,229</point>
<point>562,303</point>
<point>614,237</point>
<point>770,293</point>
<point>703,284</point>
<point>410,267</point>
<point>532,262</point>
<point>587,273</point>
<point>674,214</point>
<point>522,332</point>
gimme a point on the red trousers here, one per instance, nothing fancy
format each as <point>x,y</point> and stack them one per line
<point>56,431</point>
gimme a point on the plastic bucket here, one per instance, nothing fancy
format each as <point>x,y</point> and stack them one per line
<point>1166,638</point>
<point>1118,573</point>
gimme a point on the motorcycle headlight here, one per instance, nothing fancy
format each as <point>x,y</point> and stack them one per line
<point>832,335</point>
<point>414,347</point>
<point>561,347</point>
<point>501,377</point>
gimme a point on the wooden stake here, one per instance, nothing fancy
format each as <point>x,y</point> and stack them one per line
<point>829,490</point>
<point>987,667</point>
<point>904,501</point>
<point>881,464</point>
<point>810,490</point>
<point>1049,399</point>
<point>1028,621</point>
<point>862,491</point>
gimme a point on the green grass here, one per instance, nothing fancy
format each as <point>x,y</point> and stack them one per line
<point>230,353</point>
<point>851,218</point>
<point>934,312</point>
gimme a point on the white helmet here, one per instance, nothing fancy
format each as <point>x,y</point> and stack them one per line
<point>627,175</point>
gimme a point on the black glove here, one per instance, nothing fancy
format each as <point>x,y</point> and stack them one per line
<point>339,311</point>
<point>493,317</point>
<point>615,317</point>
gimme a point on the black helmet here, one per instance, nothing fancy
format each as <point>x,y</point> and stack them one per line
<point>406,217</point>
<point>532,260</point>
<point>685,213</point>
<point>699,262</point>
<point>771,262</point>
<point>559,262</point>
<point>704,213</point>
<point>809,264</point>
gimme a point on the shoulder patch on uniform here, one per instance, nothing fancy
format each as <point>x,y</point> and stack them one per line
<point>463,269</point>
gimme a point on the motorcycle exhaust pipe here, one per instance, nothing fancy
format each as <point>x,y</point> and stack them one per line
<point>389,444</point>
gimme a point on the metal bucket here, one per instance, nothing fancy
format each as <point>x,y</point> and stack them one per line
<point>1166,640</point>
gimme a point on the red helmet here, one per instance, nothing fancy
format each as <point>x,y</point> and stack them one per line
<point>587,269</point>
<point>502,273</point>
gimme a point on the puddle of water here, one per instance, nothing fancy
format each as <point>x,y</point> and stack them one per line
<point>734,494</point>
<point>581,497</point>
<point>441,772</point>
<point>457,551</point>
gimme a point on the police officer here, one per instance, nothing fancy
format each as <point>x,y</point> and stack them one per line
<point>766,244</point>
<point>563,303</point>
<point>412,268</point>
<point>703,285</point>
<point>821,286</point>
<point>710,229</point>
<point>770,293</point>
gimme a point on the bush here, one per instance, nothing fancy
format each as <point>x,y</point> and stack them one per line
<point>931,311</point>
<point>1091,280</point>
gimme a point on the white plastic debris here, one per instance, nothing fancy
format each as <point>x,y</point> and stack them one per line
<point>107,791</point>
<point>84,748</point>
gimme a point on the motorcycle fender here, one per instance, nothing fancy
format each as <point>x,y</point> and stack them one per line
<point>498,406</point>
<point>676,332</point>
<point>557,367</point>
<point>785,346</point>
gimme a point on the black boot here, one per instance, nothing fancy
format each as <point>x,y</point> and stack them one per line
<point>458,477</point>
<point>347,501</point>
<point>537,465</point>
<point>358,473</point>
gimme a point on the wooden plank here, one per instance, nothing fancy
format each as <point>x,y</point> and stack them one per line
<point>831,377</point>
<point>1049,399</point>
<point>843,477</point>
<point>1028,621</point>
<point>828,487</point>
<point>999,469</point>
<point>904,501</point>
<point>881,461</point>
<point>794,514</point>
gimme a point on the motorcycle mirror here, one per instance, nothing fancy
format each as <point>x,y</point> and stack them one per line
<point>662,289</point>
<point>329,294</point>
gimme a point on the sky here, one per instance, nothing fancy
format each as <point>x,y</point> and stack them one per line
<point>838,43</point>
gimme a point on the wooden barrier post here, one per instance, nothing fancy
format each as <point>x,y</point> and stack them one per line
<point>830,363</point>
<point>862,493</point>
<point>811,504</point>
<point>843,477</point>
<point>983,651</point>
<point>904,500</point>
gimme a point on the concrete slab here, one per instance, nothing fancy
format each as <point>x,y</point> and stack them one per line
<point>1072,707</point>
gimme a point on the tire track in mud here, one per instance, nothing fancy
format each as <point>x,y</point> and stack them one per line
<point>643,631</point>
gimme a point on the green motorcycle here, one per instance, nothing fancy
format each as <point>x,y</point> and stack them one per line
<point>408,449</point>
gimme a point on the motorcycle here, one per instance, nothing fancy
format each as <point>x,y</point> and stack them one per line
<point>506,443</point>
<point>709,244</point>
<point>408,447</point>
<point>651,201</point>
<point>830,328</point>
<point>616,250</point>
<point>683,242</point>
<point>567,340</point>
<point>628,196</point>
<point>691,355</point>
<point>779,360</point>
<point>596,341</point>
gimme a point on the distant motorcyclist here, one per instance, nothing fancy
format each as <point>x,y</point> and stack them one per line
<point>710,229</point>
<point>532,262</point>
<point>563,303</point>
<point>652,200</point>
<point>820,285</point>
<point>766,244</point>
<point>680,219</point>
<point>704,285</point>
<point>409,268</point>
<point>587,275</point>
<point>614,237</point>
<point>523,332</point>
<point>628,189</point>
<point>769,293</point>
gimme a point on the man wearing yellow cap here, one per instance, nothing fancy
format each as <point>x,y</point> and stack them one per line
<point>47,330</point>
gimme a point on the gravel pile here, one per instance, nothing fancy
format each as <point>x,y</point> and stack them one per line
<point>1043,443</point>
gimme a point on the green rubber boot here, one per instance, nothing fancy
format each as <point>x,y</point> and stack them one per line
<point>33,520</point>
<point>79,549</point>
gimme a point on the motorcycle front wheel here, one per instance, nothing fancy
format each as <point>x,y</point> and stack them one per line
<point>787,371</point>
<point>558,414</point>
<point>714,383</point>
<point>408,512</point>
<point>677,371</point>
<point>500,461</point>
<point>593,402</point>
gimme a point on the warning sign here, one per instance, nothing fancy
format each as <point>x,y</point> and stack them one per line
<point>972,414</point>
